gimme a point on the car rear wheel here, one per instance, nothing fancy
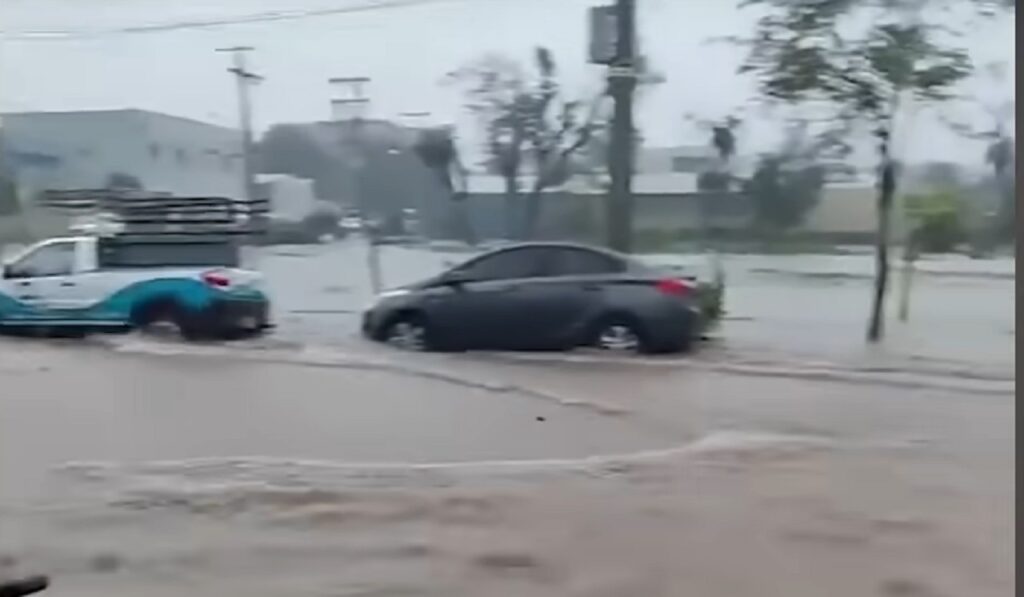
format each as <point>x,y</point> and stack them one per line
<point>620,334</point>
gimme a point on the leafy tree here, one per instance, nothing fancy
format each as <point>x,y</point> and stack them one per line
<point>723,139</point>
<point>1000,148</point>
<point>937,222</point>
<point>525,117</point>
<point>811,53</point>
<point>368,164</point>
<point>559,132</point>
<point>287,149</point>
<point>497,94</point>
<point>438,152</point>
<point>713,182</point>
<point>784,191</point>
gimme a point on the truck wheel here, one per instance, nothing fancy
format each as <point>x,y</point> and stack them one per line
<point>164,318</point>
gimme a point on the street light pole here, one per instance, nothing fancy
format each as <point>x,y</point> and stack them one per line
<point>622,85</point>
<point>245,79</point>
<point>351,107</point>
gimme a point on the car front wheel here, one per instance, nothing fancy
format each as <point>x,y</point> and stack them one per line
<point>407,332</point>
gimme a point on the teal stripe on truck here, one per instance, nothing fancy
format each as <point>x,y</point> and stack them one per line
<point>118,307</point>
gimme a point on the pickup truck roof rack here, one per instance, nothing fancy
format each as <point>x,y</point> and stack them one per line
<point>134,216</point>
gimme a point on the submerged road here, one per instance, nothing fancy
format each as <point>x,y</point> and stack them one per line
<point>140,467</point>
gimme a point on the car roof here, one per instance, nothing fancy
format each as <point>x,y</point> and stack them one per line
<point>557,245</point>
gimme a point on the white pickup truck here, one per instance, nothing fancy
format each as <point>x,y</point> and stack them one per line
<point>81,284</point>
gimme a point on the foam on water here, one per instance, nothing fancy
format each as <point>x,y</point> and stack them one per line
<point>239,484</point>
<point>909,373</point>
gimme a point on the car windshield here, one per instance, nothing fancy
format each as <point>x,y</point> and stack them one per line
<point>508,298</point>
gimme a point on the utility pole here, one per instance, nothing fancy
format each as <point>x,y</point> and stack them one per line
<point>350,105</point>
<point>622,85</point>
<point>245,80</point>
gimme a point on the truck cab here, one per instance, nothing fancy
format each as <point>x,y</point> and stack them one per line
<point>95,283</point>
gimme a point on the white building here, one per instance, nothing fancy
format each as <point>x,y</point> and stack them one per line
<point>291,198</point>
<point>67,150</point>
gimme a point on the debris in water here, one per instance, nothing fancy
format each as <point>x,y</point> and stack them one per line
<point>106,562</point>
<point>25,586</point>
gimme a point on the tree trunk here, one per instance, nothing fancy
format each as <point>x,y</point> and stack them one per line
<point>909,261</point>
<point>463,220</point>
<point>886,191</point>
<point>459,201</point>
<point>1007,219</point>
<point>532,216</point>
<point>511,203</point>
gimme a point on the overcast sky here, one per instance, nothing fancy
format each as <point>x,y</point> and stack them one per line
<point>406,51</point>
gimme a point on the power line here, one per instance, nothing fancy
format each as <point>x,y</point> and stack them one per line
<point>264,17</point>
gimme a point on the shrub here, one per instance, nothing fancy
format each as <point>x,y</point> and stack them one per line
<point>936,222</point>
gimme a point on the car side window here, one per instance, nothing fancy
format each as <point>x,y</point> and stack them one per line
<point>506,265</point>
<point>580,262</point>
<point>57,259</point>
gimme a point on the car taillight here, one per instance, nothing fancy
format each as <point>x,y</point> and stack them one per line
<point>216,279</point>
<point>673,287</point>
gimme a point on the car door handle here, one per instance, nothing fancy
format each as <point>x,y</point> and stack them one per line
<point>24,283</point>
<point>592,287</point>
<point>67,284</point>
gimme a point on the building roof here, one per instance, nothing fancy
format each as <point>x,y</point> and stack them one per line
<point>111,112</point>
<point>278,177</point>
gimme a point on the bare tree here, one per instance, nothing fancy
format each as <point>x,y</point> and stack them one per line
<point>526,120</point>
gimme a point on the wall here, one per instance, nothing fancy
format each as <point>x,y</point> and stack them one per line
<point>577,215</point>
<point>849,209</point>
<point>86,146</point>
<point>663,160</point>
<point>164,152</point>
<point>186,157</point>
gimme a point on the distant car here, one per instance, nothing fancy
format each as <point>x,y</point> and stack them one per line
<point>542,296</point>
<point>351,223</point>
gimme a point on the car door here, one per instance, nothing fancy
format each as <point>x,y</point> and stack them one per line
<point>38,280</point>
<point>573,293</point>
<point>485,310</point>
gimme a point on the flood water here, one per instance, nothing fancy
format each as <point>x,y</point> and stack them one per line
<point>784,458</point>
<point>794,305</point>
